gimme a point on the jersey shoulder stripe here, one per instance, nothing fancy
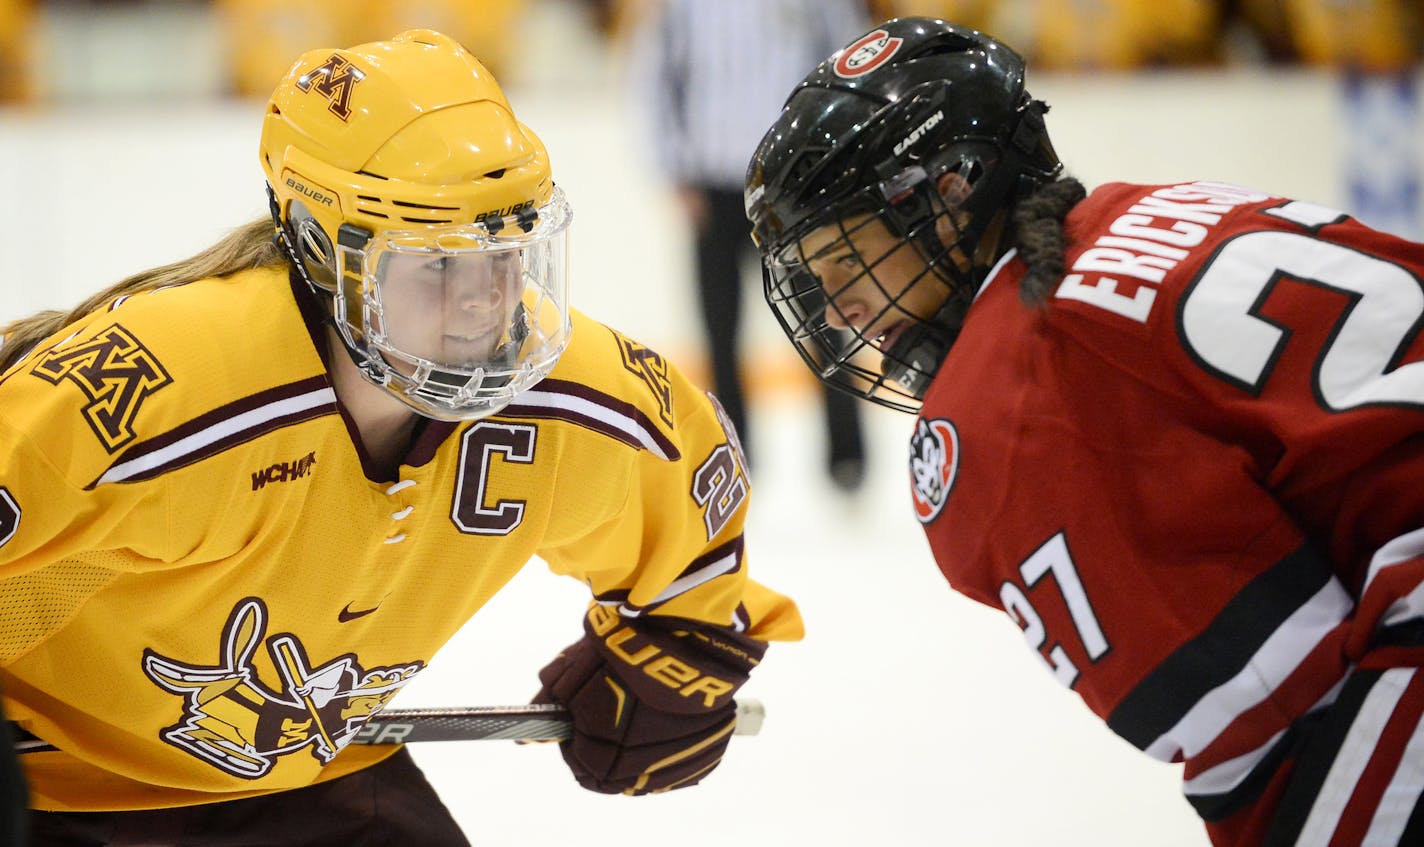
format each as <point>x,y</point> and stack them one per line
<point>221,429</point>
<point>557,399</point>
<point>726,559</point>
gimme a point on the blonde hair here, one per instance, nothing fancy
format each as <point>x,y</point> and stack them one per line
<point>249,246</point>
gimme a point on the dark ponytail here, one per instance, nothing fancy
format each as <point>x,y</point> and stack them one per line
<point>1038,235</point>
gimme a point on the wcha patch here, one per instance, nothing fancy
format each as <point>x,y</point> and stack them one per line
<point>934,463</point>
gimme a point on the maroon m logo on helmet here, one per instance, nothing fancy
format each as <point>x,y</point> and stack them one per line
<point>333,80</point>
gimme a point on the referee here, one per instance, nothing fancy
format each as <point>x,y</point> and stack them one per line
<point>714,76</point>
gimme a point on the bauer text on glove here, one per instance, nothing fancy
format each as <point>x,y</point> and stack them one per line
<point>650,698</point>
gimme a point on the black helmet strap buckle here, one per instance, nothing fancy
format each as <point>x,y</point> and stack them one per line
<point>906,195</point>
<point>1028,135</point>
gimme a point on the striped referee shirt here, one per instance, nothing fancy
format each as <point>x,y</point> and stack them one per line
<point>714,75</point>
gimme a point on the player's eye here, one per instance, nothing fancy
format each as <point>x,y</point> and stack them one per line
<point>506,262</point>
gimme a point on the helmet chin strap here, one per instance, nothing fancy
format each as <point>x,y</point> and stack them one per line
<point>913,359</point>
<point>518,331</point>
<point>361,358</point>
<point>364,360</point>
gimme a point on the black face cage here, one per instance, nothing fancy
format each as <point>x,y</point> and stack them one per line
<point>892,369</point>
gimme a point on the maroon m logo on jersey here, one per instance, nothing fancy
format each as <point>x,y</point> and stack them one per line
<point>115,372</point>
<point>9,516</point>
<point>333,80</point>
<point>652,369</point>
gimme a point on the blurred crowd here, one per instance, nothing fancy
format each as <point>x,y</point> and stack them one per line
<point>261,36</point>
<point>1366,35</point>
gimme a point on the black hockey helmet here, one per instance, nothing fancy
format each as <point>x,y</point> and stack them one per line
<point>869,137</point>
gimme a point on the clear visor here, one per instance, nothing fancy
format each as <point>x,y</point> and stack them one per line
<point>462,316</point>
<point>456,311</point>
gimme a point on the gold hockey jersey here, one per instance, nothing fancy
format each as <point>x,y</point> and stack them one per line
<point>203,595</point>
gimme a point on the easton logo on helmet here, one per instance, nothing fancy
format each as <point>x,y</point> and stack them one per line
<point>869,52</point>
<point>919,132</point>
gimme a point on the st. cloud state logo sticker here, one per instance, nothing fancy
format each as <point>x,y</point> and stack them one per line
<point>869,52</point>
<point>934,463</point>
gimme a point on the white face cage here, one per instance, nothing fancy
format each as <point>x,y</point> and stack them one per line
<point>457,320</point>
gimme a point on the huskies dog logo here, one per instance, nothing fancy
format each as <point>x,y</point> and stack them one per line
<point>934,463</point>
<point>234,721</point>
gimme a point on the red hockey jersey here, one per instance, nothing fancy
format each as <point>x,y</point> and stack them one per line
<point>1192,478</point>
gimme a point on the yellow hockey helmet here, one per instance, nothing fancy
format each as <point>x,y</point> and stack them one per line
<point>406,192</point>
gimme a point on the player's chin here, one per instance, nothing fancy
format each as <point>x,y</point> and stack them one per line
<point>471,348</point>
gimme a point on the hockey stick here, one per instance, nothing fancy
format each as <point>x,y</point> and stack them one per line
<point>537,722</point>
<point>534,722</point>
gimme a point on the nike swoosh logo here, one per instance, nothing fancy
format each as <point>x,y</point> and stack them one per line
<point>347,616</point>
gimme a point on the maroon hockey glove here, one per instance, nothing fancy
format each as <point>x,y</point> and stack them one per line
<point>650,699</point>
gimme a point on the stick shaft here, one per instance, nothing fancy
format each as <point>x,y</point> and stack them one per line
<point>512,723</point>
<point>535,722</point>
